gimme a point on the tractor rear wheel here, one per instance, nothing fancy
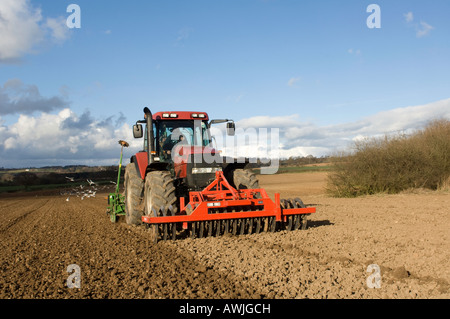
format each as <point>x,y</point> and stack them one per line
<point>134,186</point>
<point>245,179</point>
<point>160,198</point>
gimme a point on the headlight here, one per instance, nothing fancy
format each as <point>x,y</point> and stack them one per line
<point>205,170</point>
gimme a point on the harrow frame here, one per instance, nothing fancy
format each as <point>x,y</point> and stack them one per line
<point>217,201</point>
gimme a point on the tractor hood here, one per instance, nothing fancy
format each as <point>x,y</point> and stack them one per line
<point>188,150</point>
<point>195,154</point>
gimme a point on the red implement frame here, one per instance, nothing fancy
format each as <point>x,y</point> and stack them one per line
<point>220,195</point>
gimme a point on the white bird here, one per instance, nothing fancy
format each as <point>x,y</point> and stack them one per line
<point>113,182</point>
<point>72,179</point>
<point>67,199</point>
<point>90,182</point>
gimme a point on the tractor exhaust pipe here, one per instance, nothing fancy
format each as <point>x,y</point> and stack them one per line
<point>149,118</point>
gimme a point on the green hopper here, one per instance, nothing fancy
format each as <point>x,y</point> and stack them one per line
<point>116,201</point>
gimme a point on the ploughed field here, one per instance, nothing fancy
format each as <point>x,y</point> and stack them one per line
<point>405,236</point>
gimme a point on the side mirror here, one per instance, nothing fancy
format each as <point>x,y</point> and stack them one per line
<point>230,128</point>
<point>137,131</point>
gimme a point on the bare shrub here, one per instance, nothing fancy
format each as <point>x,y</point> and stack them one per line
<point>394,163</point>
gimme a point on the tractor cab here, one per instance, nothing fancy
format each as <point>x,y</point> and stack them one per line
<point>181,143</point>
<point>180,130</point>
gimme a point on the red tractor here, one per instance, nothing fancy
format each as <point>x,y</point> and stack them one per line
<point>179,185</point>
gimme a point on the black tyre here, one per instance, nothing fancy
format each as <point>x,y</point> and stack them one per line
<point>134,188</point>
<point>245,179</point>
<point>159,197</point>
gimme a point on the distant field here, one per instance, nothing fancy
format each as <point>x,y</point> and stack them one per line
<point>21,188</point>
<point>324,167</point>
<point>303,169</point>
<point>18,188</point>
<point>54,178</point>
<point>31,188</point>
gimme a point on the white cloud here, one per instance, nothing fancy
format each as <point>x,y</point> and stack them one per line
<point>424,29</point>
<point>19,28</point>
<point>234,98</point>
<point>16,97</point>
<point>298,138</point>
<point>356,52</point>
<point>67,138</point>
<point>269,121</point>
<point>23,28</point>
<point>184,33</point>
<point>409,17</point>
<point>58,28</point>
<point>292,81</point>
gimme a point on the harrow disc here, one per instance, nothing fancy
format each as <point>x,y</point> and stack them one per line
<point>201,229</point>
<point>288,225</point>
<point>294,222</point>
<point>165,227</point>
<point>219,227</point>
<point>295,218</point>
<point>258,226</point>
<point>173,226</point>
<point>303,219</point>
<point>154,229</point>
<point>237,226</point>
<point>250,222</point>
<point>271,224</point>
<point>209,227</point>
<point>193,230</point>
<point>234,226</point>
<point>243,224</point>
<point>226,229</point>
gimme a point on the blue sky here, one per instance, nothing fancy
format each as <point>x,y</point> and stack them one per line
<point>313,64</point>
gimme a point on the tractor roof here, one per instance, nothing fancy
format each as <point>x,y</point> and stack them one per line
<point>173,115</point>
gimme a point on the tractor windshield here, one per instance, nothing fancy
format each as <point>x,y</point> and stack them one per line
<point>170,133</point>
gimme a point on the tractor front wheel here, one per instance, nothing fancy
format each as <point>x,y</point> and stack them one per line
<point>160,200</point>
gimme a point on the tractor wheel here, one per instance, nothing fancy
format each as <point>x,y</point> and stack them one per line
<point>159,196</point>
<point>134,186</point>
<point>245,179</point>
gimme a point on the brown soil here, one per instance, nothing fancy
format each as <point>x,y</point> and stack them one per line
<point>406,235</point>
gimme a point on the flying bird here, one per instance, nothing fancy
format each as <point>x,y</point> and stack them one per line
<point>71,179</point>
